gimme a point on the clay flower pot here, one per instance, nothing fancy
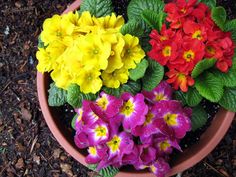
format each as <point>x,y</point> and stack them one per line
<point>185,160</point>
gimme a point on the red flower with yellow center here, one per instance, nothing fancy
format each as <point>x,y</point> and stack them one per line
<point>179,80</point>
<point>165,34</point>
<point>194,30</point>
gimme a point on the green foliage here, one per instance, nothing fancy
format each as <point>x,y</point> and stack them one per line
<point>109,171</point>
<point>231,27</point>
<point>209,3</point>
<point>57,96</point>
<point>202,66</point>
<point>75,96</point>
<point>73,121</point>
<point>210,87</point>
<point>153,19</point>
<point>139,71</point>
<point>193,98</point>
<point>40,43</point>
<point>98,8</point>
<point>136,7</point>
<point>180,96</point>
<point>219,15</point>
<point>112,91</point>
<point>199,117</point>
<point>133,27</point>
<point>153,75</point>
<point>228,79</point>
<point>228,101</point>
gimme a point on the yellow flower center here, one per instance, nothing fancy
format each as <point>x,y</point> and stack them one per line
<point>197,35</point>
<point>101,131</point>
<point>103,102</point>
<point>128,108</point>
<point>153,168</point>
<point>210,50</point>
<point>92,151</point>
<point>163,38</point>
<point>189,55</point>
<point>159,96</point>
<point>164,145</point>
<point>183,10</point>
<point>149,118</point>
<point>112,53</point>
<point>80,114</point>
<point>166,52</point>
<point>171,119</point>
<point>95,51</point>
<point>114,144</point>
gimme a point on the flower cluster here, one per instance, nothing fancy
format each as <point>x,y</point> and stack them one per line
<point>140,130</point>
<point>191,37</point>
<point>87,51</point>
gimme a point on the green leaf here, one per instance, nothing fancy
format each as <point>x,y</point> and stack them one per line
<point>153,19</point>
<point>202,66</point>
<point>180,96</point>
<point>153,75</point>
<point>136,7</point>
<point>133,27</point>
<point>131,87</point>
<point>210,87</point>
<point>209,3</point>
<point>112,91</point>
<point>219,15</point>
<point>230,25</point>
<point>109,171</point>
<point>40,43</point>
<point>57,96</point>
<point>193,98</point>
<point>98,8</point>
<point>228,101</point>
<point>73,121</point>
<point>199,117</point>
<point>139,71</point>
<point>228,79</point>
<point>75,97</point>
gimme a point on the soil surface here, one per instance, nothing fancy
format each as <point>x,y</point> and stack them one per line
<point>27,147</point>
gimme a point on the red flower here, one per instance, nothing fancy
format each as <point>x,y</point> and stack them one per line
<point>179,80</point>
<point>200,12</point>
<point>196,31</point>
<point>223,64</point>
<point>192,52</point>
<point>165,34</point>
<point>213,50</point>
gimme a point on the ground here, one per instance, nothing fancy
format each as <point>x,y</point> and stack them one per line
<point>27,147</point>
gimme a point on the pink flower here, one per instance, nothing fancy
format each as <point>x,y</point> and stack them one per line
<point>160,167</point>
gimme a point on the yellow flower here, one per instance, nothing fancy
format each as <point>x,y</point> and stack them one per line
<point>47,57</point>
<point>61,78</point>
<point>116,78</point>
<point>89,80</point>
<point>114,61</point>
<point>132,53</point>
<point>54,29</point>
<point>95,52</point>
<point>71,17</point>
<point>110,23</point>
<point>85,24</point>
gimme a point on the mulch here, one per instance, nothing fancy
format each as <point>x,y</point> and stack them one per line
<point>27,147</point>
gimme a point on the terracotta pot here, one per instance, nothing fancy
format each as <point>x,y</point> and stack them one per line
<point>185,160</point>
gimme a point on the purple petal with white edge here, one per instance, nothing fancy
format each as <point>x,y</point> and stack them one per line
<point>78,122</point>
<point>162,92</point>
<point>98,133</point>
<point>81,140</point>
<point>133,110</point>
<point>160,168</point>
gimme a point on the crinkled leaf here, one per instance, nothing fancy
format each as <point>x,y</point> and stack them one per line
<point>139,71</point>
<point>133,27</point>
<point>112,91</point>
<point>180,96</point>
<point>199,117</point>
<point>209,3</point>
<point>98,8</point>
<point>73,121</point>
<point>219,15</point>
<point>109,171</point>
<point>228,79</point>
<point>131,87</point>
<point>153,19</point>
<point>57,96</point>
<point>210,87</point>
<point>230,25</point>
<point>202,66</point>
<point>75,97</point>
<point>193,98</point>
<point>228,101</point>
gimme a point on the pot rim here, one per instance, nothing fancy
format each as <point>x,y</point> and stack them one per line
<point>191,156</point>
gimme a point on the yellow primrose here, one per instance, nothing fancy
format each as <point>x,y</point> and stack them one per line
<point>85,24</point>
<point>89,80</point>
<point>61,78</point>
<point>132,53</point>
<point>54,29</point>
<point>47,56</point>
<point>115,61</point>
<point>116,78</point>
<point>95,52</point>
